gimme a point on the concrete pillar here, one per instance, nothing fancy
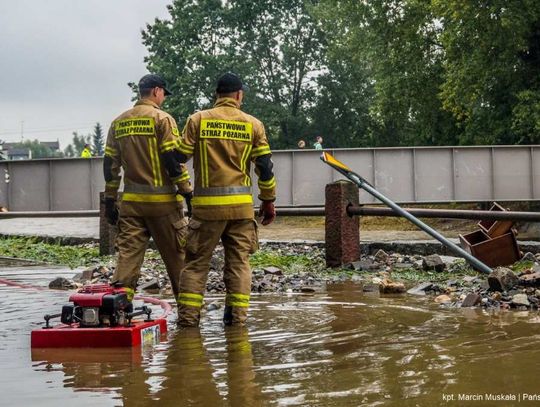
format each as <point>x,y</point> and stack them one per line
<point>342,233</point>
<point>107,233</point>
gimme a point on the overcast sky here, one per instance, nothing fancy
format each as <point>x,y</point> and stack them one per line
<point>65,64</point>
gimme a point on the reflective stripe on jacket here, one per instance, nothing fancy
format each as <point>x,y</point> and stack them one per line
<point>224,141</point>
<point>135,143</point>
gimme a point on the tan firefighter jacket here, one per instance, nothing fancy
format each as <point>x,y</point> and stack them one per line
<point>138,141</point>
<point>223,142</point>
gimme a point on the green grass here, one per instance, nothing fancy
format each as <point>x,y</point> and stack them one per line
<point>32,249</point>
<point>417,276</point>
<point>521,266</point>
<point>286,262</point>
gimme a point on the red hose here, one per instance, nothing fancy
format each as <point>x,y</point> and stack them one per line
<point>165,306</point>
<point>20,285</point>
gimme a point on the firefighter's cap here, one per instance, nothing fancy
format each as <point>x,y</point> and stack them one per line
<point>151,81</point>
<point>230,82</point>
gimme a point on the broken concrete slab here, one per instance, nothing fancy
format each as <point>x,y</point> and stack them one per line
<point>433,262</point>
<point>502,279</point>
<point>471,300</point>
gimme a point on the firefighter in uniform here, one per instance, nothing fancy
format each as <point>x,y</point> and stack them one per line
<point>223,142</point>
<point>142,142</point>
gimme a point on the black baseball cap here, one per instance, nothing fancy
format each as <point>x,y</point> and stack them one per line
<point>230,82</point>
<point>154,81</point>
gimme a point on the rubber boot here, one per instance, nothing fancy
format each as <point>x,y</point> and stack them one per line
<point>228,315</point>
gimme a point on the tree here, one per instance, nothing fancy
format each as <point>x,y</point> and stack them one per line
<point>492,64</point>
<point>75,149</point>
<point>98,140</point>
<point>389,64</point>
<point>276,46</point>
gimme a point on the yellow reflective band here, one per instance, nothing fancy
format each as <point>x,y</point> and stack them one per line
<point>185,148</point>
<point>193,300</point>
<point>243,165</point>
<point>237,304</point>
<point>263,150</point>
<point>130,292</point>
<point>111,152</point>
<point>271,183</point>
<point>140,126</point>
<point>237,300</point>
<point>112,184</point>
<point>183,177</point>
<point>168,146</point>
<point>158,162</point>
<point>204,164</point>
<point>221,200</point>
<point>154,159</point>
<point>175,131</point>
<point>226,130</point>
<point>134,197</point>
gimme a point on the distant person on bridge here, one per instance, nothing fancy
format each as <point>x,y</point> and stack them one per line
<point>224,141</point>
<point>318,143</point>
<point>143,141</point>
<point>87,152</point>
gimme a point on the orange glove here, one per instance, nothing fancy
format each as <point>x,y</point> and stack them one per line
<point>268,212</point>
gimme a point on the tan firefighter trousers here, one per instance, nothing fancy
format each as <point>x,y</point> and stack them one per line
<point>240,239</point>
<point>169,234</point>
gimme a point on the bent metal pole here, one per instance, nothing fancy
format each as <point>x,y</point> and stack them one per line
<point>362,183</point>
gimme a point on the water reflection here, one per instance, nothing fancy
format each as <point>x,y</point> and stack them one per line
<point>177,373</point>
<point>338,348</point>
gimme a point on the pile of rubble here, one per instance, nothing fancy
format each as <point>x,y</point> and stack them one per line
<point>460,286</point>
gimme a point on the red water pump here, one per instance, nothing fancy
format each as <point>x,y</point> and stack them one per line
<point>98,305</point>
<point>100,316</point>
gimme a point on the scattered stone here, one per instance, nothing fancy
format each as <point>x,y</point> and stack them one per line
<point>370,288</point>
<point>443,299</point>
<point>420,289</point>
<point>84,276</point>
<point>496,296</point>
<point>502,279</point>
<point>356,278</point>
<point>471,300</point>
<point>306,289</point>
<point>470,279</point>
<point>273,271</point>
<point>61,283</point>
<point>449,259</point>
<point>153,284</point>
<point>381,256</point>
<point>433,262</point>
<point>103,270</point>
<point>520,299</point>
<point>214,305</point>
<point>388,286</point>
<point>528,257</point>
<point>530,279</point>
<point>364,265</point>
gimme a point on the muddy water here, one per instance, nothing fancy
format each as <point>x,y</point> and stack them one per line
<point>338,348</point>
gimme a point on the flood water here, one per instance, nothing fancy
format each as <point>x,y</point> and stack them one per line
<point>342,347</point>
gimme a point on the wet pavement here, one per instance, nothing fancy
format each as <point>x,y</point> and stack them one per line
<point>342,347</point>
<point>88,228</point>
